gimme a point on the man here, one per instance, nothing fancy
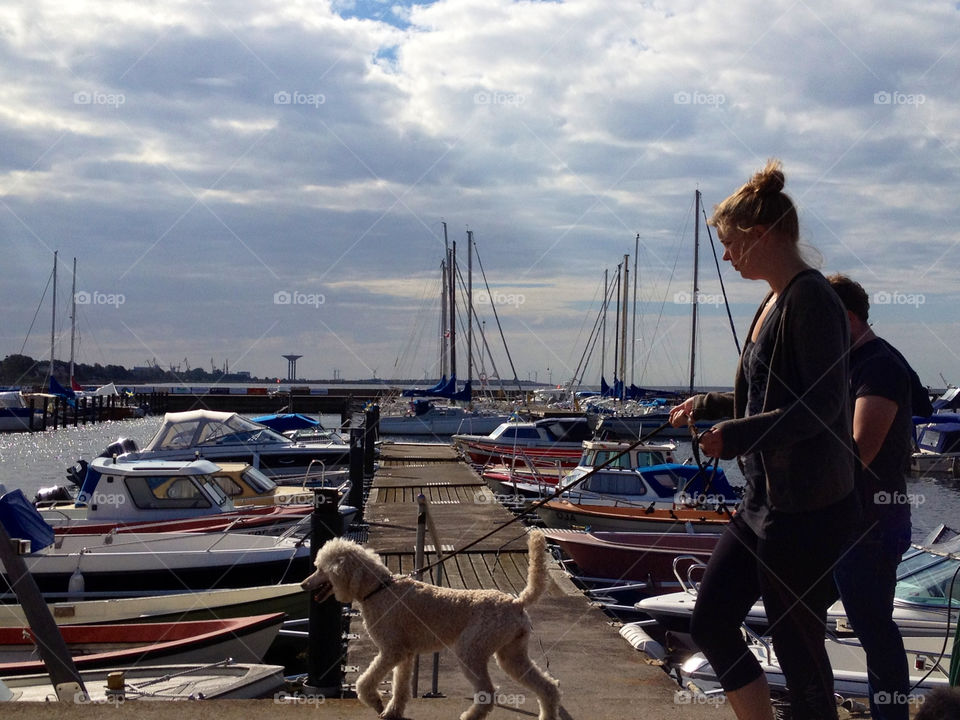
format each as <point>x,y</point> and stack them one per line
<point>885,392</point>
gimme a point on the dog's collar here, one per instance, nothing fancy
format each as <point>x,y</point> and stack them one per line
<point>383,584</point>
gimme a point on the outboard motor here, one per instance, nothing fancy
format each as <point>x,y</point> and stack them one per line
<point>77,473</point>
<point>48,496</point>
<point>120,447</point>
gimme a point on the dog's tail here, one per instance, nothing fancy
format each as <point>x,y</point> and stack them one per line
<point>537,578</point>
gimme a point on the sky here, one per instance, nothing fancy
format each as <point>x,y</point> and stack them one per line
<point>242,180</point>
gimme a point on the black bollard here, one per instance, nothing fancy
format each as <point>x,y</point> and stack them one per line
<point>325,653</point>
<point>371,422</point>
<point>355,497</point>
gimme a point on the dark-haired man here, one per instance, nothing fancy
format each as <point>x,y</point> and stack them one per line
<point>884,390</point>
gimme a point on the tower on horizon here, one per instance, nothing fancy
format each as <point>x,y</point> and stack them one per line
<point>292,366</point>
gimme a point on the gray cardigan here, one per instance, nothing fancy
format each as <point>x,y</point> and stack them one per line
<point>803,432</point>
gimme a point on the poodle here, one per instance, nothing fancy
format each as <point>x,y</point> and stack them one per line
<point>405,617</point>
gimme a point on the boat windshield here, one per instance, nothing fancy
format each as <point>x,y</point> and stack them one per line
<point>204,428</point>
<point>932,580</point>
<point>257,481</point>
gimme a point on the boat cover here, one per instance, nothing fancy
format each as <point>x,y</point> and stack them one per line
<point>21,520</point>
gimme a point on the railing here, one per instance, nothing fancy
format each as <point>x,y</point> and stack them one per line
<point>425,523</point>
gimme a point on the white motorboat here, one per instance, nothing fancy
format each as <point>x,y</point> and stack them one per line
<point>119,563</point>
<point>426,417</point>
<point>229,437</point>
<point>224,680</point>
<point>15,413</point>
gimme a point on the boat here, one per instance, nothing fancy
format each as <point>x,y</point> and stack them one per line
<point>170,496</point>
<point>938,446</point>
<point>120,563</point>
<point>223,680</point>
<point>550,442</point>
<point>562,513</point>
<point>96,646</point>
<point>16,414</point>
<point>426,417</point>
<point>229,437</point>
<point>636,556</point>
<point>288,598</point>
<point>532,481</point>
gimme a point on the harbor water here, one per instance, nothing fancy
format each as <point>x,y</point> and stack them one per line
<point>31,461</point>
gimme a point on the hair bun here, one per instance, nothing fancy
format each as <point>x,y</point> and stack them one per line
<point>770,180</point>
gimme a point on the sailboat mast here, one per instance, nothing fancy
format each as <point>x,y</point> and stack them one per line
<point>470,305</point>
<point>623,326</point>
<point>633,334</point>
<point>53,321</point>
<point>73,318</point>
<point>453,309</point>
<point>696,288</point>
<point>603,326</point>
<point>443,317</point>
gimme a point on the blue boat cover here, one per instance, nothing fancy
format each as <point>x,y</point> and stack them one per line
<point>21,520</point>
<point>286,421</point>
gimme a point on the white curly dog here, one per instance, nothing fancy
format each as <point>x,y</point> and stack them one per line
<point>405,617</point>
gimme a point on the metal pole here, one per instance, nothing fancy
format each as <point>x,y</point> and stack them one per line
<point>325,651</point>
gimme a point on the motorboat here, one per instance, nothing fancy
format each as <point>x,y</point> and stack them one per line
<point>176,496</point>
<point>634,556</point>
<point>287,598</point>
<point>938,446</point>
<point>561,513</point>
<point>229,437</point>
<point>15,413</point>
<point>550,442</point>
<point>222,680</point>
<point>427,417</point>
<point>117,563</point>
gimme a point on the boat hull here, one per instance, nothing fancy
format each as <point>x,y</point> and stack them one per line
<point>563,514</point>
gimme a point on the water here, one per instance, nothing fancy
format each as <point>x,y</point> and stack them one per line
<point>30,461</point>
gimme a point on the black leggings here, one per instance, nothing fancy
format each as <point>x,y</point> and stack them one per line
<point>791,568</point>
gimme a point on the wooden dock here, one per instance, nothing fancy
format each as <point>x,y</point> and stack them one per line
<point>600,675</point>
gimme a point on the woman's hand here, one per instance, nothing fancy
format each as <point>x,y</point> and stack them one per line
<point>682,414</point>
<point>711,442</point>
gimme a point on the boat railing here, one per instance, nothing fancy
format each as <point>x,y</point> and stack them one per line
<point>687,583</point>
<point>306,475</point>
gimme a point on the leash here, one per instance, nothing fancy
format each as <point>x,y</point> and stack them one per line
<point>543,501</point>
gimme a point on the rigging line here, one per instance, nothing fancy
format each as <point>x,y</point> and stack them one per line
<point>595,335</point>
<point>583,324</point>
<point>723,289</point>
<point>589,346</point>
<point>37,312</point>
<point>493,306</point>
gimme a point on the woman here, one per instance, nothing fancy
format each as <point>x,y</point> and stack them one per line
<point>791,429</point>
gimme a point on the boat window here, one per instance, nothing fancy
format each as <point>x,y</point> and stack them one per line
<point>227,485</point>
<point>156,493</point>
<point>645,459</point>
<point>257,481</point>
<point>617,484</point>
<point>931,586</point>
<point>215,491</point>
<point>603,456</point>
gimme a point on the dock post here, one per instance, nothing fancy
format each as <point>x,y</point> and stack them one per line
<point>355,497</point>
<point>30,427</point>
<point>325,652</point>
<point>371,426</point>
<point>56,412</point>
